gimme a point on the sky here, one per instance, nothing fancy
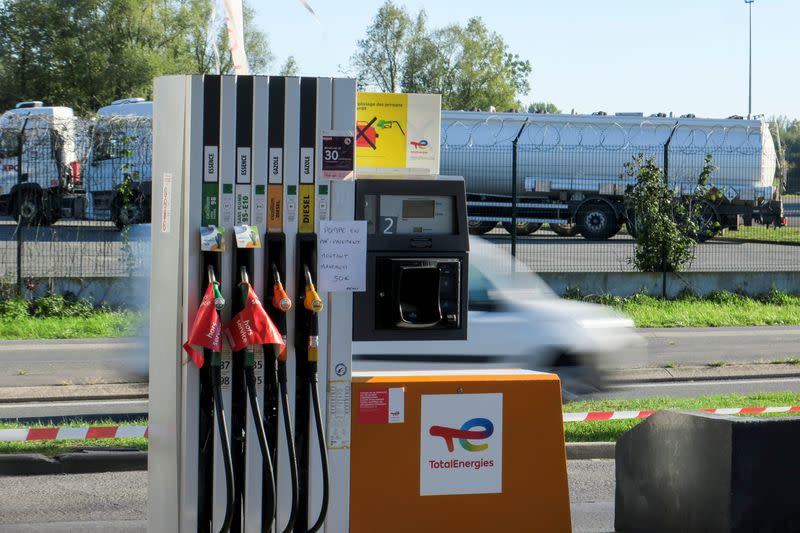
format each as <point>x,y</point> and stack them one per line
<point>680,56</point>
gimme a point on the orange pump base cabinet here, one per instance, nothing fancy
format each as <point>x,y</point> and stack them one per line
<point>441,451</point>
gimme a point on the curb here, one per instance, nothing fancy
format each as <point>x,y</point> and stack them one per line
<point>85,461</point>
<point>60,393</point>
<point>590,450</point>
<point>91,461</point>
<point>702,373</point>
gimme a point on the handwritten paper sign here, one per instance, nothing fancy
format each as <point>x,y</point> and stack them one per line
<point>342,255</point>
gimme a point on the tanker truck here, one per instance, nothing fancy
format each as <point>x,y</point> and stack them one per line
<point>118,174</point>
<point>571,169</point>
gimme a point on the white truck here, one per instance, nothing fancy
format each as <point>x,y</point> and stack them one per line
<point>41,182</point>
<point>118,172</point>
<point>571,168</point>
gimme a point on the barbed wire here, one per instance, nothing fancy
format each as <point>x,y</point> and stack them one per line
<point>609,133</point>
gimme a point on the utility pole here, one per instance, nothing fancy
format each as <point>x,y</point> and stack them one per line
<point>750,63</point>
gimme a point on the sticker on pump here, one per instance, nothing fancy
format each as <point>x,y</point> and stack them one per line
<point>381,406</point>
<point>461,444</point>
<point>225,368</point>
<point>258,363</point>
<point>339,414</point>
<point>212,239</point>
<point>247,237</point>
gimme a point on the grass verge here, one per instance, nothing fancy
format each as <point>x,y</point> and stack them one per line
<point>762,233</point>
<point>52,448</point>
<point>611,430</point>
<point>721,308</point>
<point>97,325</point>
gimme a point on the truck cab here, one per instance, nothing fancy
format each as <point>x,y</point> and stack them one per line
<point>40,176</point>
<point>118,176</point>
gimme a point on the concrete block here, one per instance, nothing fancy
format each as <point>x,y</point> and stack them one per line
<point>681,471</point>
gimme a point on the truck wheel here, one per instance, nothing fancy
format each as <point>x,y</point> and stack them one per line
<point>27,208</point>
<point>523,228</point>
<point>124,215</point>
<point>597,221</point>
<point>564,230</point>
<point>480,227</point>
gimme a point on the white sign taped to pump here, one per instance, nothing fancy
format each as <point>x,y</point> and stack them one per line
<point>461,444</point>
<point>342,255</point>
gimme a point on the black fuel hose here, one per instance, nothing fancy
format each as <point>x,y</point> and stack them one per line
<point>269,515</point>
<point>323,450</point>
<point>222,427</point>
<point>287,423</point>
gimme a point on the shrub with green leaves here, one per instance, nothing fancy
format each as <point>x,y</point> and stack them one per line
<point>58,306</point>
<point>14,308</point>
<point>667,225</point>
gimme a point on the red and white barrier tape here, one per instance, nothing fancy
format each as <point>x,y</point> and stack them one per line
<point>121,432</point>
<point>93,432</point>
<point>628,415</point>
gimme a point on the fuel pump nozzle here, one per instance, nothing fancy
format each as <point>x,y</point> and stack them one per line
<point>222,426</point>
<point>313,303</point>
<point>255,409</point>
<point>282,302</point>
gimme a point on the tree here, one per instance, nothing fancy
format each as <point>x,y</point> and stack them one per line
<point>484,72</point>
<point>379,57</point>
<point>290,67</point>
<point>86,53</point>
<point>470,66</point>
<point>789,131</point>
<point>666,226</point>
<point>543,107</point>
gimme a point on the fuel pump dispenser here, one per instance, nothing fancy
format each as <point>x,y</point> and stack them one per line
<point>276,432</point>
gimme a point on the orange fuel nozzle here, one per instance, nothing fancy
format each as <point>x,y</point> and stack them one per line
<point>280,300</point>
<point>312,301</point>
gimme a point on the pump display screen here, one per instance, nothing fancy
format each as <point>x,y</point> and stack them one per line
<point>418,208</point>
<point>389,214</point>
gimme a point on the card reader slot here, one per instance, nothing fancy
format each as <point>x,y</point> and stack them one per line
<point>417,296</point>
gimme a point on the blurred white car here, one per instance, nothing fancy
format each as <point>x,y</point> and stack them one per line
<point>516,320</point>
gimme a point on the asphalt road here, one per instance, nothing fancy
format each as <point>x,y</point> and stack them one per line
<point>72,362</point>
<point>92,361</point>
<point>698,346</point>
<point>117,502</point>
<point>550,253</point>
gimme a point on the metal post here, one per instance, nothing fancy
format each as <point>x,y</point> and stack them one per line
<point>20,228</point>
<point>514,190</point>
<point>750,64</point>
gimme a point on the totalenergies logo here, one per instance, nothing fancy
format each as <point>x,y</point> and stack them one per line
<point>419,145</point>
<point>465,434</point>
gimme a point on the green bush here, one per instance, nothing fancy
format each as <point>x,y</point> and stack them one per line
<point>667,224</point>
<point>724,297</point>
<point>573,293</point>
<point>58,306</point>
<point>14,308</point>
<point>776,297</point>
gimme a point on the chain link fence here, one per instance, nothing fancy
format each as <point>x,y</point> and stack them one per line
<point>555,195</point>
<point>73,192</point>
